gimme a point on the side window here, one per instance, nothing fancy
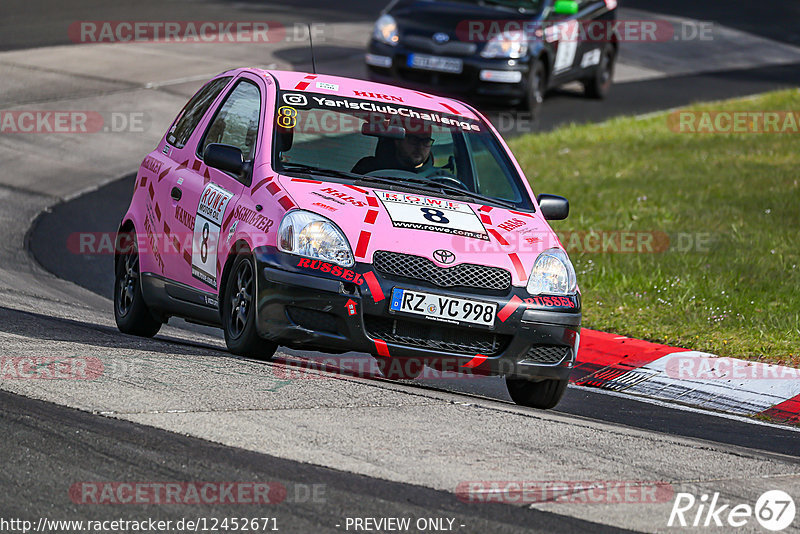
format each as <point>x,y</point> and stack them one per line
<point>492,179</point>
<point>236,122</point>
<point>192,113</point>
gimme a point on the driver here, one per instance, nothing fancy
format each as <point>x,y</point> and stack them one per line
<point>412,153</point>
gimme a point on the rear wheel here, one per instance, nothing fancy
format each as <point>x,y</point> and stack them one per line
<point>130,311</point>
<point>239,314</point>
<point>399,368</point>
<point>544,394</point>
<point>599,84</point>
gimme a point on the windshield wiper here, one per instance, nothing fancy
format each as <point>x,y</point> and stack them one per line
<point>301,167</point>
<point>415,183</point>
<point>436,187</point>
<point>422,185</point>
<point>457,191</point>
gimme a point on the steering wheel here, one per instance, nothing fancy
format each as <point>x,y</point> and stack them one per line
<point>438,174</point>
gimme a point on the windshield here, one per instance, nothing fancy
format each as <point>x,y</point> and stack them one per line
<point>385,145</point>
<point>527,5</point>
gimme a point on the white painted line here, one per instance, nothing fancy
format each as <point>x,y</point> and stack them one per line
<point>196,77</point>
<point>707,381</point>
<point>684,408</point>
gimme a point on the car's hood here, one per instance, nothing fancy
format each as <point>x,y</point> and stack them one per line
<point>380,219</point>
<point>425,17</point>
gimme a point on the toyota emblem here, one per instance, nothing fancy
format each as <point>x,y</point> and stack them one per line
<point>441,37</point>
<point>444,256</point>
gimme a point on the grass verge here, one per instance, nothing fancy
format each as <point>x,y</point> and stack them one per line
<point>724,214</point>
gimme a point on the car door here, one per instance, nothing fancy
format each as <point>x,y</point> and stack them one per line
<point>172,223</point>
<point>212,193</point>
<point>573,52</point>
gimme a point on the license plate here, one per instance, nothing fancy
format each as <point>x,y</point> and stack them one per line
<point>443,308</point>
<point>436,63</point>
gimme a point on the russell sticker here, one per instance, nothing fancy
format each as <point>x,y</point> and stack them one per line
<point>208,224</point>
<point>432,214</point>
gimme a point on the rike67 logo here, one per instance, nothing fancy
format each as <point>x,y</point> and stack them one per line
<point>774,510</point>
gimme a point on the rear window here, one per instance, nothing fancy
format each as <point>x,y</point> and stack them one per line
<point>194,110</point>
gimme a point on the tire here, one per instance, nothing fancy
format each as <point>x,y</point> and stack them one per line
<point>543,395</point>
<point>537,87</point>
<point>599,84</point>
<point>239,312</point>
<point>130,311</point>
<point>399,368</point>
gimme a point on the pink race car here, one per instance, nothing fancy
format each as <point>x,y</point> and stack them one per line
<point>339,215</point>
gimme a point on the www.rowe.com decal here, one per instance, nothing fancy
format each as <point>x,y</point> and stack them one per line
<point>774,510</point>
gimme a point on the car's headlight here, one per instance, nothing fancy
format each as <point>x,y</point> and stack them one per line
<point>505,47</point>
<point>552,274</point>
<point>313,236</point>
<point>386,30</point>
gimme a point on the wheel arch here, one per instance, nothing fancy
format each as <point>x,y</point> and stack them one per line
<point>241,246</point>
<point>127,225</point>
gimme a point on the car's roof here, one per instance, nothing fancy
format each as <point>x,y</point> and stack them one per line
<point>354,88</point>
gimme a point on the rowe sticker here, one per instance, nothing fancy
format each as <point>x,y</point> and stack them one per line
<point>208,224</point>
<point>432,214</point>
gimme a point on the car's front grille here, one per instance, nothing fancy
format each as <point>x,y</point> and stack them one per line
<point>423,269</point>
<point>547,354</point>
<point>450,48</point>
<point>436,337</point>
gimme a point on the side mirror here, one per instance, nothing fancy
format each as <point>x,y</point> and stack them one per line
<point>565,7</point>
<point>553,207</point>
<point>224,157</point>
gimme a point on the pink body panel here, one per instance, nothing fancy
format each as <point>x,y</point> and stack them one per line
<point>368,217</point>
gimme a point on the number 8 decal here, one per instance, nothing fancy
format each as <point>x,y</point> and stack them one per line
<point>287,117</point>
<point>204,244</point>
<point>436,216</point>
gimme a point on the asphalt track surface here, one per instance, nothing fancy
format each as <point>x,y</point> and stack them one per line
<point>80,446</point>
<point>64,445</point>
<point>101,211</point>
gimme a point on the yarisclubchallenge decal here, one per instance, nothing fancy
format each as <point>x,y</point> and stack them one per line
<point>432,214</point>
<point>208,224</point>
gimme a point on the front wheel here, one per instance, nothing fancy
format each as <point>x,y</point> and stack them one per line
<point>544,394</point>
<point>130,311</point>
<point>239,313</point>
<point>537,87</point>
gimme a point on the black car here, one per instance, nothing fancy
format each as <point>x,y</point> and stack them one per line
<point>504,51</point>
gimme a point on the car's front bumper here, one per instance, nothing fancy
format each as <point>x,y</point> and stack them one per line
<point>303,308</point>
<point>466,84</point>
